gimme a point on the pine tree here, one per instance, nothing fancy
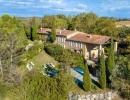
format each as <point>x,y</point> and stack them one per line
<point>53,34</point>
<point>86,79</point>
<point>110,61</point>
<point>102,79</point>
<point>34,30</point>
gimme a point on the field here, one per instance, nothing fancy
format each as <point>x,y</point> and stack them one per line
<point>123,23</point>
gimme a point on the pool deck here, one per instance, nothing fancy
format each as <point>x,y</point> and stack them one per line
<point>80,77</point>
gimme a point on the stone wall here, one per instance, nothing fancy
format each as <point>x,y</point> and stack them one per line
<point>106,96</point>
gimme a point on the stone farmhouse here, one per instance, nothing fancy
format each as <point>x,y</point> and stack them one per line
<point>90,45</point>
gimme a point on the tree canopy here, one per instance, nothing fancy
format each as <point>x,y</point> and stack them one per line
<point>105,26</point>
<point>34,30</point>
<point>85,22</point>
<point>12,44</point>
<point>53,34</point>
<point>36,86</point>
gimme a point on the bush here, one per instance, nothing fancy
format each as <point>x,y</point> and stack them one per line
<point>34,50</point>
<point>95,87</point>
<point>64,56</point>
<point>39,87</point>
<point>3,91</point>
<point>79,60</point>
<point>53,49</point>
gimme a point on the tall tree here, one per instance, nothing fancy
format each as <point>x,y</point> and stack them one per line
<point>34,30</point>
<point>89,21</point>
<point>48,21</point>
<point>120,76</point>
<point>102,73</point>
<point>69,22</point>
<point>77,23</point>
<point>110,61</point>
<point>86,79</point>
<point>2,51</point>
<point>12,44</point>
<point>105,26</point>
<point>124,44</point>
<point>53,34</point>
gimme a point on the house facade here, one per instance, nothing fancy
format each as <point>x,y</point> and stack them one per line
<point>87,44</point>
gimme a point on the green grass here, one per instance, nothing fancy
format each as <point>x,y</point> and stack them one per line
<point>42,58</point>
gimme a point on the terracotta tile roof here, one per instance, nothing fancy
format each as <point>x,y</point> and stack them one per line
<point>64,32</point>
<point>58,31</point>
<point>44,31</point>
<point>81,37</point>
<point>87,38</point>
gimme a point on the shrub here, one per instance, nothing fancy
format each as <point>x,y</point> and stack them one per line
<point>3,91</point>
<point>34,50</point>
<point>64,55</point>
<point>39,87</point>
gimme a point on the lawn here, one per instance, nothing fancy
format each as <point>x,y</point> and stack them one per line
<point>42,58</point>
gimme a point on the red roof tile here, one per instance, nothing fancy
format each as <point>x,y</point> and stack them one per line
<point>64,32</point>
<point>44,31</point>
<point>89,38</point>
<point>58,31</point>
<point>81,37</point>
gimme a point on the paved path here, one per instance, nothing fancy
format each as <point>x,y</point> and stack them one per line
<point>79,76</point>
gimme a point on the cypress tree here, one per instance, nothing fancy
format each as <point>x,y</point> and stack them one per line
<point>110,61</point>
<point>86,79</point>
<point>102,79</point>
<point>34,30</point>
<point>53,34</point>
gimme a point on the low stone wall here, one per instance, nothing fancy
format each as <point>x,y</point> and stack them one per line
<point>106,96</point>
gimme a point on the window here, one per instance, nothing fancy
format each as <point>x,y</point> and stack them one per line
<point>62,39</point>
<point>58,39</point>
<point>76,45</point>
<point>73,44</point>
<point>70,43</point>
<point>80,45</point>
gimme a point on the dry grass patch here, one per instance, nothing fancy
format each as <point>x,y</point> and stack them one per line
<point>123,23</point>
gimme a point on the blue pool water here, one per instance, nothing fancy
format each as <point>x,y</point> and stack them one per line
<point>79,70</point>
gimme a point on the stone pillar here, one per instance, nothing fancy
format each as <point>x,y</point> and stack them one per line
<point>115,46</point>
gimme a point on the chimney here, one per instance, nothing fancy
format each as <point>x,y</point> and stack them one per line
<point>90,36</point>
<point>41,28</point>
<point>60,32</point>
